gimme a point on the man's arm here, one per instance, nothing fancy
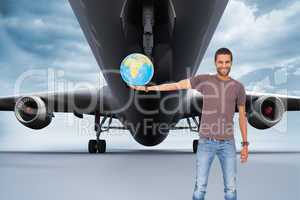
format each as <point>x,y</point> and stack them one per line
<point>243,127</point>
<point>243,122</point>
<point>180,85</point>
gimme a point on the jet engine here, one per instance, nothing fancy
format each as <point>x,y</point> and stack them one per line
<point>265,112</point>
<point>32,112</point>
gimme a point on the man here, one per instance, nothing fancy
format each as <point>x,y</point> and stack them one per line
<point>221,93</point>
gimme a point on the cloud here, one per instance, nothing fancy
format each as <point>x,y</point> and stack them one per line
<point>279,79</point>
<point>257,41</point>
<point>266,6</point>
<point>43,36</point>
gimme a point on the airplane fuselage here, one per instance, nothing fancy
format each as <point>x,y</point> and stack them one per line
<point>173,33</point>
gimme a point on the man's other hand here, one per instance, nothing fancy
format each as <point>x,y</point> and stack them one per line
<point>244,154</point>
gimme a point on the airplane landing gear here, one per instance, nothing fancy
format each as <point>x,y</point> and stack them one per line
<point>99,145</point>
<point>195,145</point>
<point>195,142</point>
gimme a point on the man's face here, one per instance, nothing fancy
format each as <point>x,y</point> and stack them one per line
<point>223,64</point>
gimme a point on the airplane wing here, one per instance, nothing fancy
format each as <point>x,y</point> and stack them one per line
<point>35,110</point>
<point>291,103</point>
<point>263,110</point>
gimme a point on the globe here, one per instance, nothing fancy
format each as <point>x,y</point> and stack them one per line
<point>136,69</point>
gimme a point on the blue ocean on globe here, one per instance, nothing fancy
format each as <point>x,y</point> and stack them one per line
<point>136,69</point>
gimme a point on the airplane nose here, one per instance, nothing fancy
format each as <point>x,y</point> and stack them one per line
<point>149,133</point>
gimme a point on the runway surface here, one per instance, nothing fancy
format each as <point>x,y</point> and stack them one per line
<point>140,175</point>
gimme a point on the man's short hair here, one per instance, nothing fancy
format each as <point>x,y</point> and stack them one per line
<point>223,51</point>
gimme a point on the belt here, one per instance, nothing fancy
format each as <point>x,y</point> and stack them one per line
<point>214,139</point>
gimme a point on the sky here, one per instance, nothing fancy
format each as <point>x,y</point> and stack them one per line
<point>45,38</point>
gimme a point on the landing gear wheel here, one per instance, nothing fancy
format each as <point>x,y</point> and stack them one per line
<point>101,147</point>
<point>195,145</point>
<point>93,146</point>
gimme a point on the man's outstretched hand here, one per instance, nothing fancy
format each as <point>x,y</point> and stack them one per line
<point>244,154</point>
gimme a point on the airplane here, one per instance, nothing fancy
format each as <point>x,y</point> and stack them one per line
<point>175,34</point>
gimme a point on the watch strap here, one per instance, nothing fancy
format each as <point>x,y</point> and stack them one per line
<point>246,143</point>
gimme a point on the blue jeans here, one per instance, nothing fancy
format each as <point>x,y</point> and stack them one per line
<point>226,152</point>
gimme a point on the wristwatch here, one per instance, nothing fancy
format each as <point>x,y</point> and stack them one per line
<point>245,143</point>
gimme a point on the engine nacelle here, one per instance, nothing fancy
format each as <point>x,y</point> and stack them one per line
<point>266,112</point>
<point>32,112</point>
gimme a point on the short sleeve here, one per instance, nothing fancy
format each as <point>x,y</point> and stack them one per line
<point>196,80</point>
<point>241,96</point>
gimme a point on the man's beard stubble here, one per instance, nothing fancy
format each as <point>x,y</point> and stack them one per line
<point>220,72</point>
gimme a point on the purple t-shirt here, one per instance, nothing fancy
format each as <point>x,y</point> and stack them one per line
<point>220,98</point>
